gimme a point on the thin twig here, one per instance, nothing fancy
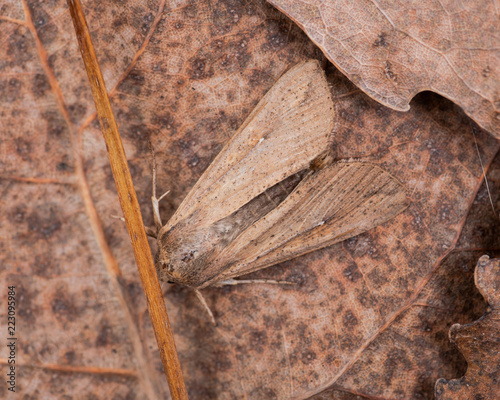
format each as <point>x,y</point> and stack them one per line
<point>130,207</point>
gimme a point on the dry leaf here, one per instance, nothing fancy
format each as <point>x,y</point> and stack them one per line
<point>479,342</point>
<point>394,50</point>
<point>186,77</point>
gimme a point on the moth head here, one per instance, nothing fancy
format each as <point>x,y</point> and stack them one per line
<point>177,256</point>
<point>167,268</point>
<point>162,265</point>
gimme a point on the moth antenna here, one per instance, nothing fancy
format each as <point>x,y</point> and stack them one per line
<point>202,300</point>
<point>240,281</point>
<point>163,195</point>
<point>484,173</point>
<point>154,199</point>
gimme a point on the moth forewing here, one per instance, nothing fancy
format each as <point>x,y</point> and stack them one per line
<point>288,128</point>
<point>273,192</point>
<point>326,207</point>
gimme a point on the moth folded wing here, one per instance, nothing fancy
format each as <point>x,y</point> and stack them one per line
<point>287,129</point>
<point>328,206</point>
<point>189,251</point>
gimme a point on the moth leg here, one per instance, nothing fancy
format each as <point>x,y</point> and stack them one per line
<point>117,217</point>
<point>156,208</point>
<point>154,199</point>
<point>151,232</point>
<point>202,300</point>
<point>239,281</point>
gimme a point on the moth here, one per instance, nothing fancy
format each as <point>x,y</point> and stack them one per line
<point>274,192</point>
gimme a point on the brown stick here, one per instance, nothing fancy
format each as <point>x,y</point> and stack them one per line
<point>130,207</point>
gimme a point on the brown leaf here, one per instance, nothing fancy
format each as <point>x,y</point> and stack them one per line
<point>186,76</point>
<point>479,343</point>
<point>394,50</point>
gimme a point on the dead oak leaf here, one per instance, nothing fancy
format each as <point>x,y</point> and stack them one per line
<point>393,50</point>
<point>479,342</point>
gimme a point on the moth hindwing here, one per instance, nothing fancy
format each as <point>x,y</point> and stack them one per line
<point>273,192</point>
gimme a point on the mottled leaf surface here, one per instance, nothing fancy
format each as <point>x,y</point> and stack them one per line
<point>367,317</point>
<point>393,50</point>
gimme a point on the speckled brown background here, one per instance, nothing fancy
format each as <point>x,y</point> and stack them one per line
<point>370,316</point>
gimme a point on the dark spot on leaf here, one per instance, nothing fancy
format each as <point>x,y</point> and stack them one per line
<point>137,171</point>
<point>259,79</point>
<point>308,357</point>
<point>70,356</point>
<point>64,166</point>
<point>45,266</point>
<point>198,390</point>
<point>165,121</point>
<point>200,68</point>
<point>349,319</point>
<point>134,290</point>
<point>134,83</point>
<point>193,161</point>
<point>46,30</point>
<point>18,214</point>
<point>23,148</point>
<point>352,273</point>
<point>10,90</point>
<point>77,111</point>
<point>63,306</point>
<point>19,47</point>
<point>47,33</point>
<point>378,279</point>
<point>258,341</point>
<point>222,361</point>
<point>263,393</point>
<point>389,72</point>
<point>55,124</point>
<point>277,37</point>
<point>147,21</point>
<point>40,85</point>
<point>106,335</point>
<point>381,40</point>
<point>53,60</point>
<point>44,221</point>
<point>139,134</point>
<point>28,308</point>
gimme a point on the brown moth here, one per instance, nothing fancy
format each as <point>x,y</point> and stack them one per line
<point>274,193</point>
